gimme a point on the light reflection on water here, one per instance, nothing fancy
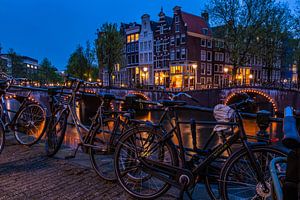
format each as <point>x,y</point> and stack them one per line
<point>203,131</point>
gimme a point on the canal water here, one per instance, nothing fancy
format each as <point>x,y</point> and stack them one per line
<point>203,131</point>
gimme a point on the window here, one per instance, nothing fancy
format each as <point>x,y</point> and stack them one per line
<point>177,40</point>
<point>203,55</point>
<point>209,44</point>
<point>209,55</point>
<point>145,33</point>
<point>146,57</point>
<point>216,79</point>
<point>177,54</point>
<point>176,18</point>
<point>145,46</point>
<point>202,81</point>
<point>203,68</point>
<point>128,38</point>
<point>172,55</point>
<point>165,45</point>
<point>128,48</point>
<point>137,47</point>
<point>150,57</point>
<point>216,68</point>
<point>221,44</point>
<point>129,59</point>
<point>177,28</point>
<point>172,40</point>
<point>183,38</point>
<point>221,57</point>
<point>208,69</point>
<point>217,43</point>
<point>161,29</point>
<point>183,54</point>
<point>208,80</point>
<point>141,46</point>
<point>227,57</point>
<point>141,57</point>
<point>149,45</point>
<point>157,45</point>
<point>136,58</point>
<point>205,31</point>
<point>220,68</point>
<point>137,36</point>
<point>216,56</point>
<point>132,38</point>
<point>203,42</point>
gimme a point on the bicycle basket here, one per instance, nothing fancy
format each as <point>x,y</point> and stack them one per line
<point>223,113</point>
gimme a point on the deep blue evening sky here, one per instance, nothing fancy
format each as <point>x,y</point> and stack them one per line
<point>53,28</point>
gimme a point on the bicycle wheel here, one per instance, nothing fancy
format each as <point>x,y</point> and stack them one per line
<point>30,124</point>
<point>239,179</point>
<point>56,132</point>
<point>102,150</point>
<point>2,136</point>
<point>137,180</point>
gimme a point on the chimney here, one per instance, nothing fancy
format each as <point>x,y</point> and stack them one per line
<point>205,16</point>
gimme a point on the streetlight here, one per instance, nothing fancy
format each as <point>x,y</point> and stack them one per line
<point>250,77</point>
<point>195,68</point>
<point>225,71</point>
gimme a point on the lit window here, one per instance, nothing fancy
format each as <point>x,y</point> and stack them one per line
<point>131,38</point>
<point>128,38</point>
<point>137,36</point>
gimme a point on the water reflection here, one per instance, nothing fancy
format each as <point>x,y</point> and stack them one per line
<point>203,131</point>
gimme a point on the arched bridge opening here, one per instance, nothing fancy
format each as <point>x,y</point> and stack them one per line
<point>262,100</point>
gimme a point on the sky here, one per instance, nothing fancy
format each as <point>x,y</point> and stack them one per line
<point>53,28</point>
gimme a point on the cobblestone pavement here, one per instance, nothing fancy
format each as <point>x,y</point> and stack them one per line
<point>26,173</point>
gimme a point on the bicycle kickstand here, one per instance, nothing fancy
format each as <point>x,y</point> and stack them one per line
<point>74,154</point>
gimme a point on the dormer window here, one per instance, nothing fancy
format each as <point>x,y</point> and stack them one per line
<point>205,31</point>
<point>177,19</point>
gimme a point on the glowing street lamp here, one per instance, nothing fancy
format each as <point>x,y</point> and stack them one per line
<point>145,69</point>
<point>226,70</point>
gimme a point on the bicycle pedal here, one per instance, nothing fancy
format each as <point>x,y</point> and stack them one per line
<point>69,157</point>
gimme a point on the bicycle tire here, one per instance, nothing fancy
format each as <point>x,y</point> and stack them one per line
<point>102,156</point>
<point>2,136</point>
<point>130,174</point>
<point>30,124</point>
<point>56,132</point>
<point>241,156</point>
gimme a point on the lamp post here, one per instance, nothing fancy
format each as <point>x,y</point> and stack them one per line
<point>194,68</point>
<point>226,73</point>
<point>250,77</point>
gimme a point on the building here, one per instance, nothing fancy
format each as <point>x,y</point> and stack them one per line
<point>30,65</point>
<point>132,35</point>
<point>190,51</point>
<point>162,50</point>
<point>145,72</point>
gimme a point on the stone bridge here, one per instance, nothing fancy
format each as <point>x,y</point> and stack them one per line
<point>276,98</point>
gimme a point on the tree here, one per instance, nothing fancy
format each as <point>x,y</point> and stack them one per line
<point>78,64</point>
<point>109,45</point>
<point>273,36</point>
<point>242,22</point>
<point>18,69</point>
<point>48,73</point>
<point>3,64</point>
<point>90,58</point>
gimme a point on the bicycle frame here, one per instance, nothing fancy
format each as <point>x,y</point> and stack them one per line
<point>155,168</point>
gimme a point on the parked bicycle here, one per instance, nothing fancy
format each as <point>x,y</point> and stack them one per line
<point>27,122</point>
<point>285,170</point>
<point>147,162</point>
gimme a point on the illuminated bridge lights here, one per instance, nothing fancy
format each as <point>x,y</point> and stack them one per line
<point>259,92</point>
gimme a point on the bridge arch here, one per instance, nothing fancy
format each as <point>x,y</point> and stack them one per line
<point>252,91</point>
<point>141,95</point>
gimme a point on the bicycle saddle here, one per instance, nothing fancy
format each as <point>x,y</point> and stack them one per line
<point>107,96</point>
<point>291,137</point>
<point>172,103</point>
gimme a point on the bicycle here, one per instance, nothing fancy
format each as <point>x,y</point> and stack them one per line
<point>28,121</point>
<point>147,162</point>
<point>99,138</point>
